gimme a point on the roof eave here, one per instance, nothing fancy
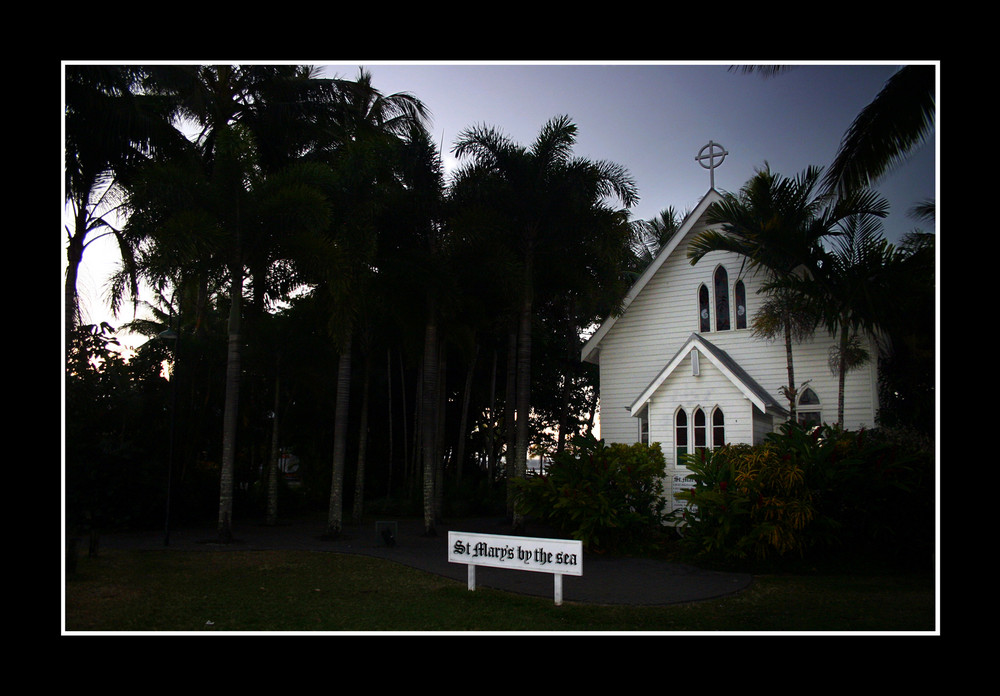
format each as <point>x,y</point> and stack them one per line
<point>591,349</point>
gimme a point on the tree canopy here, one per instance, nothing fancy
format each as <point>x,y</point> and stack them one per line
<point>334,324</point>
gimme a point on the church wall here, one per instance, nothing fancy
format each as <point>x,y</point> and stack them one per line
<point>661,318</point>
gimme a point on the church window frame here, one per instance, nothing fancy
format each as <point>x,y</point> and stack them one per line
<point>704,309</point>
<point>740,302</point>
<point>720,283</point>
<point>809,408</point>
<point>681,434</point>
<point>643,434</point>
<point>699,429</point>
<point>718,427</point>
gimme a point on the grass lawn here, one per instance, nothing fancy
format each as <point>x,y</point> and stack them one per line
<point>303,591</point>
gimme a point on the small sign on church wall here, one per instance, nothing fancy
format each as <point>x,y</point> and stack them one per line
<point>679,482</point>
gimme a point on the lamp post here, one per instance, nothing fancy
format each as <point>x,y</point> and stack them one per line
<point>171,335</point>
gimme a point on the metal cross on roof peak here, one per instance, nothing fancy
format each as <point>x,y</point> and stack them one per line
<point>714,150</point>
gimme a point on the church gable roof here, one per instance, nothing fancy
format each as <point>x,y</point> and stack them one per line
<point>590,350</point>
<point>725,363</point>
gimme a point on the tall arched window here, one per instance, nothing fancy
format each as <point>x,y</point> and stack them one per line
<point>718,428</point>
<point>721,299</point>
<point>740,297</point>
<point>704,318</point>
<point>809,411</point>
<point>680,434</point>
<point>700,431</point>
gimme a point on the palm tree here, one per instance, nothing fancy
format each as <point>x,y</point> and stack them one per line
<point>855,291</point>
<point>364,150</point>
<point>786,314</point>
<point>654,234</point>
<point>185,212</point>
<point>538,189</point>
<point>236,108</point>
<point>420,254</point>
<point>778,224</point>
<point>110,126</point>
<point>907,367</point>
<point>886,131</point>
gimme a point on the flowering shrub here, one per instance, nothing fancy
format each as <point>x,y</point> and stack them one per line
<point>874,491</point>
<point>607,496</point>
<point>802,489</point>
<point>746,502</point>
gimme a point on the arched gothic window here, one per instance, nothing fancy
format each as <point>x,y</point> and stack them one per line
<point>680,434</point>
<point>700,430</point>
<point>721,299</point>
<point>704,318</point>
<point>740,293</point>
<point>718,428</point>
<point>809,411</point>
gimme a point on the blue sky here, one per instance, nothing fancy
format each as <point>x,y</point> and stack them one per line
<point>653,119</point>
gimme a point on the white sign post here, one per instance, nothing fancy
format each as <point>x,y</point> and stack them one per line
<point>557,556</point>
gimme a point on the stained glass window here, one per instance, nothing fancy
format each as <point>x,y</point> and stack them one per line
<point>704,319</point>
<point>721,299</point>
<point>741,305</point>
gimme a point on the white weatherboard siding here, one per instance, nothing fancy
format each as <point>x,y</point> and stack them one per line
<point>711,389</point>
<point>660,318</point>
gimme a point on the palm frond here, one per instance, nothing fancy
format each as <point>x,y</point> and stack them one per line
<point>555,140</point>
<point>925,211</point>
<point>716,240</point>
<point>887,130</point>
<point>765,71</point>
<point>486,145</point>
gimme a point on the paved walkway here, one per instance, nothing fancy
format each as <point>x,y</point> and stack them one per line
<point>605,579</point>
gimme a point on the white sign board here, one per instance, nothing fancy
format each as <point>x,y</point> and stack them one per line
<point>557,556</point>
<point>680,482</point>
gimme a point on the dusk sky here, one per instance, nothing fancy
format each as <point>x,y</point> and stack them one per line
<point>653,119</point>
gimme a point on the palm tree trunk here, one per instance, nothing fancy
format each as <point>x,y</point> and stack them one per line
<point>523,394</point>
<point>272,468</point>
<point>74,255</point>
<point>792,392</point>
<point>335,518</point>
<point>464,420</point>
<point>439,439</point>
<point>416,451</point>
<point>491,453</point>
<point>388,381</point>
<point>428,423</point>
<point>567,386</point>
<point>510,401</point>
<point>231,408</point>
<point>841,374</point>
<point>359,481</point>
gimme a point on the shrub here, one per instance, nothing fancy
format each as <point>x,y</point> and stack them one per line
<point>810,489</point>
<point>874,492</point>
<point>607,496</point>
<point>747,502</point>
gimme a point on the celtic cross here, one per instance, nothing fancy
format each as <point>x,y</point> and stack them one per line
<point>710,152</point>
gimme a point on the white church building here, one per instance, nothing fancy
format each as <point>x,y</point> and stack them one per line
<point>680,364</point>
